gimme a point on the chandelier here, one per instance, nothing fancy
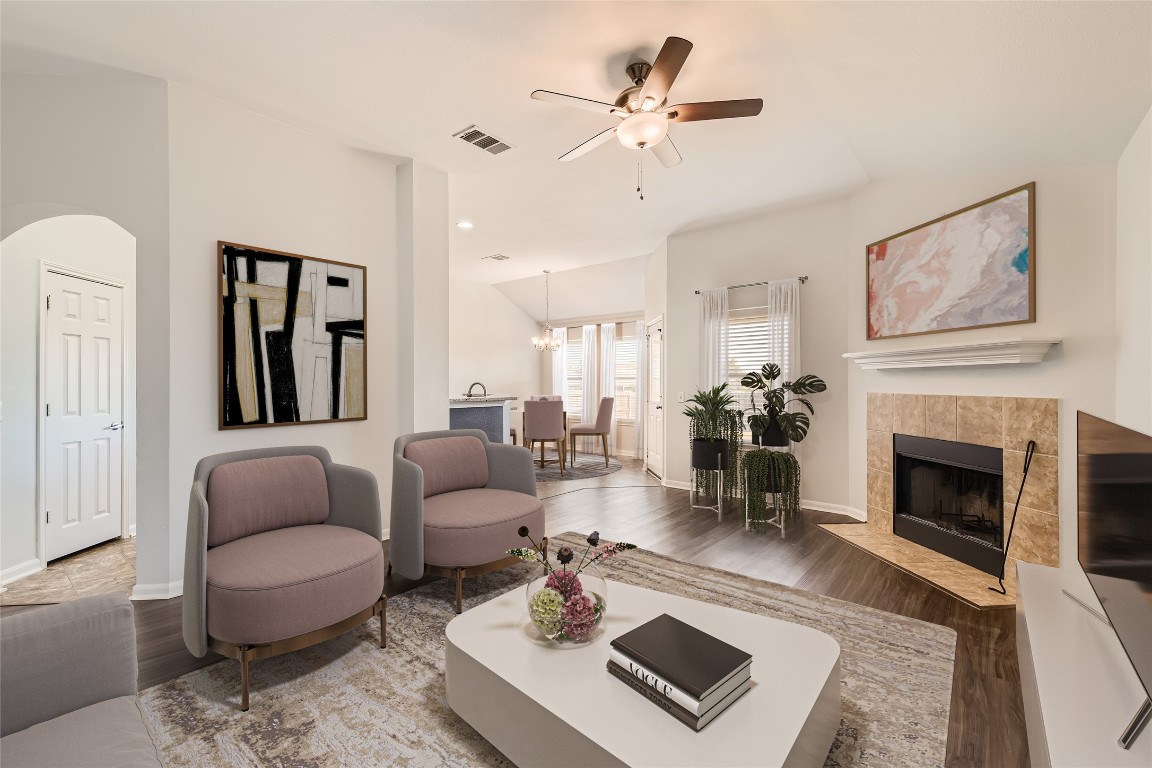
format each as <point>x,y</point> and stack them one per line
<point>546,342</point>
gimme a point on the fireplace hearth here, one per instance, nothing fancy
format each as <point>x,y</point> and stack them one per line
<point>949,497</point>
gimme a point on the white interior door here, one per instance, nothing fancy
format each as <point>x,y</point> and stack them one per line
<point>83,348</point>
<point>654,441</point>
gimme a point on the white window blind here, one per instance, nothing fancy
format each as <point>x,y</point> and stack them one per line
<point>754,340</point>
<point>626,343</point>
<point>574,373</point>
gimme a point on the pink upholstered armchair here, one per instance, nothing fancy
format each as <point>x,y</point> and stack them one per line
<point>283,552</point>
<point>602,427</point>
<point>458,501</point>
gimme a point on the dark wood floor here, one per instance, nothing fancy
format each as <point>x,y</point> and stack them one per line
<point>986,726</point>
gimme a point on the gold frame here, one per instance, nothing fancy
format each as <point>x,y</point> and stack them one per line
<point>220,245</point>
<point>1030,187</point>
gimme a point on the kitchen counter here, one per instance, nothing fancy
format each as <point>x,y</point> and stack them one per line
<point>489,413</point>
<point>482,399</point>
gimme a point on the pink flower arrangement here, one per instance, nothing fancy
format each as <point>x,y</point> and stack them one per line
<point>561,608</point>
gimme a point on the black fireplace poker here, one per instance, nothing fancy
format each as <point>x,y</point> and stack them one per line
<point>1031,449</point>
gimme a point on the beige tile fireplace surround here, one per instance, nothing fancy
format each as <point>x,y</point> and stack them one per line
<point>999,422</point>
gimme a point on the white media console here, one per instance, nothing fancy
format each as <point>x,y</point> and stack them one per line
<point>1080,690</point>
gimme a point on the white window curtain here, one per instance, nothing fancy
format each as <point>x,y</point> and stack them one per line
<point>607,373</point>
<point>559,362</point>
<point>588,379</point>
<point>713,337</point>
<point>783,310</point>
<point>641,414</point>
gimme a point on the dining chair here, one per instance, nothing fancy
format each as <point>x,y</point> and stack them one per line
<point>602,427</point>
<point>544,423</point>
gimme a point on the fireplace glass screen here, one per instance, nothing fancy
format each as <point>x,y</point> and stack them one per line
<point>949,497</point>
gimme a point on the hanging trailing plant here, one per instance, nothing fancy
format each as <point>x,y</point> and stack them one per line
<point>771,472</point>
<point>719,423</point>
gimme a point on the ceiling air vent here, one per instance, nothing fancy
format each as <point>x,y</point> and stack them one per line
<point>496,257</point>
<point>474,135</point>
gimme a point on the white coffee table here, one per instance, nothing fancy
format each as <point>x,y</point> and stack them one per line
<point>547,705</point>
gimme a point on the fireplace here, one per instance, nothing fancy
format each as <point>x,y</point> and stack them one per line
<point>949,497</point>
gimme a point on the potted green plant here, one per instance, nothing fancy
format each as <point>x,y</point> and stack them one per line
<point>709,413</point>
<point>771,472</point>
<point>772,424</point>
<point>716,431</point>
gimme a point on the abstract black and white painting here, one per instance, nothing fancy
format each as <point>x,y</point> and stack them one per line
<point>293,336</point>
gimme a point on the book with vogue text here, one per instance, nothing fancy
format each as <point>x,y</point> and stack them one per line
<point>695,722</point>
<point>681,655</point>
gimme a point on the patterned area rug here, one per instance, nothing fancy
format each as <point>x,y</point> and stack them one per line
<point>349,703</point>
<point>587,465</point>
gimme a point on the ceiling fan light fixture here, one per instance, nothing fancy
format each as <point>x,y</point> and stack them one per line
<point>642,129</point>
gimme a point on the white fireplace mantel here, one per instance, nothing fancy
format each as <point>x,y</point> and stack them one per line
<point>1003,352</point>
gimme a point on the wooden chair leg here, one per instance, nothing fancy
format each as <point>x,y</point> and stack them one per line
<point>561,451</point>
<point>244,680</point>
<point>541,454</point>
<point>460,587</point>
<point>604,438</point>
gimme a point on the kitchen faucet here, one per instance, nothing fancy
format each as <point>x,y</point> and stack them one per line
<point>483,389</point>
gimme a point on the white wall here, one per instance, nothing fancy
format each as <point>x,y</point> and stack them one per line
<point>656,283</point>
<point>238,176</point>
<point>1076,228</point>
<point>808,241</point>
<point>1075,268</point>
<point>1134,281</point>
<point>422,307</point>
<point>99,144</point>
<point>490,341</point>
<point>91,244</point>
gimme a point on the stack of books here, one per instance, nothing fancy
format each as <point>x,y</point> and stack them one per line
<point>686,672</point>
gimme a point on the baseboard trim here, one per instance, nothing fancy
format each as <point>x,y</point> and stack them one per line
<point>677,484</point>
<point>384,535</point>
<point>838,509</point>
<point>20,570</point>
<point>158,591</point>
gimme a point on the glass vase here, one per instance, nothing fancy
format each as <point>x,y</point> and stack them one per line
<point>565,606</point>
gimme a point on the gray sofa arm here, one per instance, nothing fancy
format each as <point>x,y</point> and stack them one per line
<point>193,607</point>
<point>355,498</point>
<point>406,527</point>
<point>65,657</point>
<point>510,468</point>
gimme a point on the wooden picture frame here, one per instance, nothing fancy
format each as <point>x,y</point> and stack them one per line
<point>972,268</point>
<point>292,342</point>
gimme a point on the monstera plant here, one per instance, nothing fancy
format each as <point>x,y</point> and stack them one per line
<point>770,421</point>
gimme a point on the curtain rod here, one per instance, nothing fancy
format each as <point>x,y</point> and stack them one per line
<point>803,279</point>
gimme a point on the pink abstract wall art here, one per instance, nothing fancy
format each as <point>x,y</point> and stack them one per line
<point>970,269</point>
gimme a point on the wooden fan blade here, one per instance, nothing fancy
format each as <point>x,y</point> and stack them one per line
<point>575,101</point>
<point>667,153</point>
<point>668,63</point>
<point>589,145</point>
<point>714,110</point>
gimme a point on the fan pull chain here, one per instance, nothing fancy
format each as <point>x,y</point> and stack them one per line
<point>640,172</point>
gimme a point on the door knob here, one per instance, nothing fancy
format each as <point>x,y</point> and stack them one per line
<point>115,425</point>
<point>659,407</point>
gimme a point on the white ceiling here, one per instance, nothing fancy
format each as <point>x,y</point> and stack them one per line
<point>608,291</point>
<point>853,91</point>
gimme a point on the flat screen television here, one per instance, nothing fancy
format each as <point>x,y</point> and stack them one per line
<point>1114,489</point>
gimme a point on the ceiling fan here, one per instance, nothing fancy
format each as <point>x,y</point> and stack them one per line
<point>643,108</point>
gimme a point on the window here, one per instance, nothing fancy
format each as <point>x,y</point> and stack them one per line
<point>626,348</point>
<point>574,369</point>
<point>754,340</point>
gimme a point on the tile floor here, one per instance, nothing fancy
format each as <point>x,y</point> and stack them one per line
<point>962,581</point>
<point>108,567</point>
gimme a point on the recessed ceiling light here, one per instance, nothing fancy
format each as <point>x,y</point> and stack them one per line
<point>464,224</point>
